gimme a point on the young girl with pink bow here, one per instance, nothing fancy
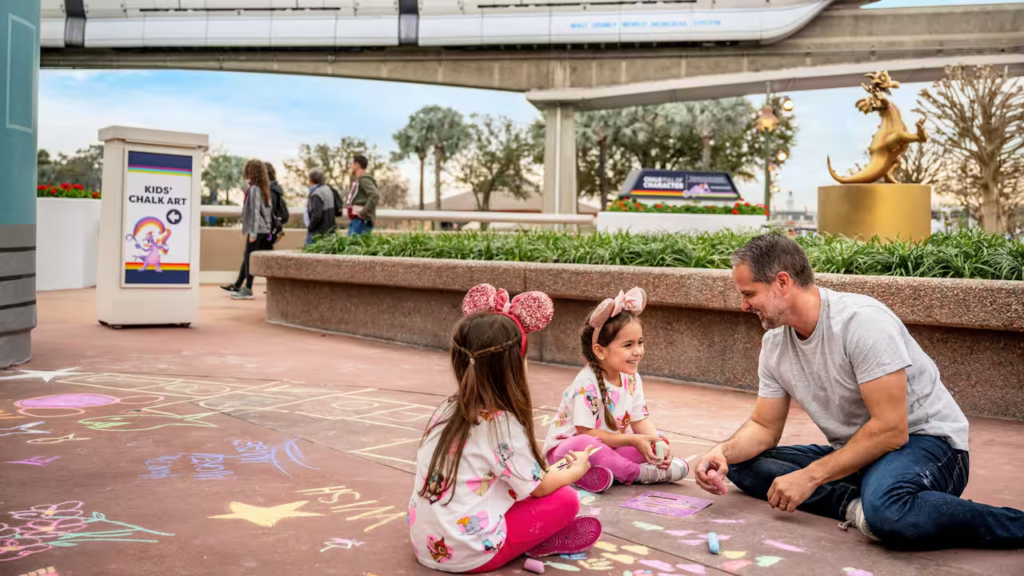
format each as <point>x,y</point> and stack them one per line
<point>604,408</point>
<point>483,494</point>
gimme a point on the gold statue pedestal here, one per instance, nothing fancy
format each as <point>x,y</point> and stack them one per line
<point>889,211</point>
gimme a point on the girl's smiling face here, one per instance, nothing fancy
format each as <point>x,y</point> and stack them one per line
<point>624,353</point>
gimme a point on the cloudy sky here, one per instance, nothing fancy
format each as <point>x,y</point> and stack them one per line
<point>268,116</point>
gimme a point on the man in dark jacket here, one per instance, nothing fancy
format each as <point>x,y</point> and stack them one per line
<point>320,211</point>
<point>279,207</point>
<point>362,198</point>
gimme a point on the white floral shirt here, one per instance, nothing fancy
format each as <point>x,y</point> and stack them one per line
<point>497,469</point>
<point>582,405</point>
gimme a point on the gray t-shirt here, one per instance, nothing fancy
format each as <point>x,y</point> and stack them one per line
<point>857,340</point>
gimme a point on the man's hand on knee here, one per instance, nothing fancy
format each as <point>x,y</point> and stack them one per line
<point>789,491</point>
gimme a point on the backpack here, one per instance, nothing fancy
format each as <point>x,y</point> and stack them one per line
<point>339,204</point>
<point>278,212</point>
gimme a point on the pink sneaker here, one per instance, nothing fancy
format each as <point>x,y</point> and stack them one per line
<point>578,536</point>
<point>596,480</point>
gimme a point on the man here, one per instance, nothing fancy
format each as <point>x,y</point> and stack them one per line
<point>279,208</point>
<point>362,198</point>
<point>320,208</point>
<point>898,459</point>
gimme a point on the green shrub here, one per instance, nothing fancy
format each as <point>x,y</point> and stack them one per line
<point>966,254</point>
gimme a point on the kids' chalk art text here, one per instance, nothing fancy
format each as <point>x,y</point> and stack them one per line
<point>366,509</point>
<point>204,466</point>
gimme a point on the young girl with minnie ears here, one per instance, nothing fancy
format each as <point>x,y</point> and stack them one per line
<point>483,494</point>
<point>604,408</point>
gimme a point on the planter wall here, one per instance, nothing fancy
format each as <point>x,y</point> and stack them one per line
<point>67,241</point>
<point>974,330</point>
<point>639,222</point>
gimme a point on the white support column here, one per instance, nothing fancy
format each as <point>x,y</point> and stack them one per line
<point>560,160</point>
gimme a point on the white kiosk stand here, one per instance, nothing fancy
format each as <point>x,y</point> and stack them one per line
<point>148,263</point>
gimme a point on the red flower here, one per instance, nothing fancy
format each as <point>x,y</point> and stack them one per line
<point>659,206</point>
<point>735,211</point>
<point>746,203</point>
<point>737,204</point>
<point>41,187</point>
<point>95,194</point>
<point>78,187</point>
<point>54,192</point>
<point>766,213</point>
<point>65,186</point>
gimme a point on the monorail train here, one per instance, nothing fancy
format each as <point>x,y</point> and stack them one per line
<point>444,23</point>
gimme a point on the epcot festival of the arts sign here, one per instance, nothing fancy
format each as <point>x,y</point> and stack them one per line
<point>679,185</point>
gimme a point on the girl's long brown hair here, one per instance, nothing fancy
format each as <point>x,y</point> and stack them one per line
<point>608,333</point>
<point>256,172</point>
<point>494,380</point>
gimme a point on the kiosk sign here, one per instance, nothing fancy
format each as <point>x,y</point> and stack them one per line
<point>678,185</point>
<point>157,220</point>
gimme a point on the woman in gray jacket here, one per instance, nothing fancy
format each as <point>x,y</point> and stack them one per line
<point>256,215</point>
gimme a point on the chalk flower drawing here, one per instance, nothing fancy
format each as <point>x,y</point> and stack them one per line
<point>63,524</point>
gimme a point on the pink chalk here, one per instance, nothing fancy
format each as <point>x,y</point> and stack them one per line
<point>734,565</point>
<point>657,565</point>
<point>533,565</point>
<point>783,546</point>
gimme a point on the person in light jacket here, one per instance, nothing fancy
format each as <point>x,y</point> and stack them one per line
<point>320,209</point>
<point>256,222</point>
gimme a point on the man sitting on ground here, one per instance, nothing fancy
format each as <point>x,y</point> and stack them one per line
<point>898,459</point>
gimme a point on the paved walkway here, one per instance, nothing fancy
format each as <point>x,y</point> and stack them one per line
<point>276,451</point>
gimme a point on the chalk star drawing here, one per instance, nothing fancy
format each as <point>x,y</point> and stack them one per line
<point>34,461</point>
<point>342,543</point>
<point>46,375</point>
<point>23,429</point>
<point>266,516</point>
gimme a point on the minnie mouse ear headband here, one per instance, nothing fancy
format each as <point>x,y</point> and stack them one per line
<point>634,301</point>
<point>531,311</point>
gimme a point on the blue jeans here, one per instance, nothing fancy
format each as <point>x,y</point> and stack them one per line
<point>910,496</point>
<point>359,226</point>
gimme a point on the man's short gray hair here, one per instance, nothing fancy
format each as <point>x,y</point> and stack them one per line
<point>316,176</point>
<point>769,254</point>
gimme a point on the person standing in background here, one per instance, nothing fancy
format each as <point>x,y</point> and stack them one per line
<point>320,209</point>
<point>362,198</point>
<point>256,222</point>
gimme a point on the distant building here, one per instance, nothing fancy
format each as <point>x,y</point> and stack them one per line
<point>799,221</point>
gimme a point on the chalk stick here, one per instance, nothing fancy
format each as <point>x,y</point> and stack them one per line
<point>713,543</point>
<point>533,565</point>
<point>563,463</point>
<point>660,448</point>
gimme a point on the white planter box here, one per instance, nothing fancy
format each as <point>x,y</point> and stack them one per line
<point>639,222</point>
<point>67,241</point>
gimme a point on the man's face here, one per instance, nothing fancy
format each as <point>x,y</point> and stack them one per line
<point>353,167</point>
<point>759,298</point>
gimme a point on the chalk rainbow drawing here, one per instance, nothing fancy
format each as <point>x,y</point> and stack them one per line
<point>49,525</point>
<point>74,402</point>
<point>155,236</point>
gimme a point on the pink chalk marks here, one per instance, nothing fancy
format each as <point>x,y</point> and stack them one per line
<point>74,404</point>
<point>856,572</point>
<point>783,546</point>
<point>692,568</point>
<point>734,565</point>
<point>657,565</point>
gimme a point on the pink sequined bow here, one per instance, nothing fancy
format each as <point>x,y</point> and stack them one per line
<point>633,301</point>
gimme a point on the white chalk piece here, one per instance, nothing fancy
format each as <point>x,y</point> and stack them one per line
<point>660,448</point>
<point>533,565</point>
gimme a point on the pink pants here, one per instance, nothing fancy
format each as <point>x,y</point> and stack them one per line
<point>623,462</point>
<point>532,521</point>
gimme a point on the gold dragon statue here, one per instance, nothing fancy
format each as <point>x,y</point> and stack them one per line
<point>892,138</point>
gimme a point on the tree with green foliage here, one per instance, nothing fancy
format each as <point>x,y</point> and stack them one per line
<point>497,160</point>
<point>334,160</point>
<point>84,167</point>
<point>447,133</point>
<point>415,139</point>
<point>222,173</point>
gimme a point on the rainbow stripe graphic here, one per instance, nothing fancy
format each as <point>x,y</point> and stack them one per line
<point>165,164</point>
<point>704,194</point>
<point>163,266</point>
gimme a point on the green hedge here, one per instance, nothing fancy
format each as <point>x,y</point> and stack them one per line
<point>967,254</point>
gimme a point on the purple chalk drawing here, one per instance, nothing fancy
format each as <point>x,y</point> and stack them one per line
<point>658,565</point>
<point>667,504</point>
<point>34,461</point>
<point>856,572</point>
<point>679,532</point>
<point>694,542</point>
<point>734,565</point>
<point>783,546</point>
<point>74,403</point>
<point>692,568</point>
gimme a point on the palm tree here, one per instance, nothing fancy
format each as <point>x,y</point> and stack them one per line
<point>414,140</point>
<point>725,118</point>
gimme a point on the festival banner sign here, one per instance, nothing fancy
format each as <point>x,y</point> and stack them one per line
<point>157,220</point>
<point>679,185</point>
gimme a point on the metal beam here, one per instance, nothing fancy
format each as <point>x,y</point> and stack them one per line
<point>840,35</point>
<point>733,85</point>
